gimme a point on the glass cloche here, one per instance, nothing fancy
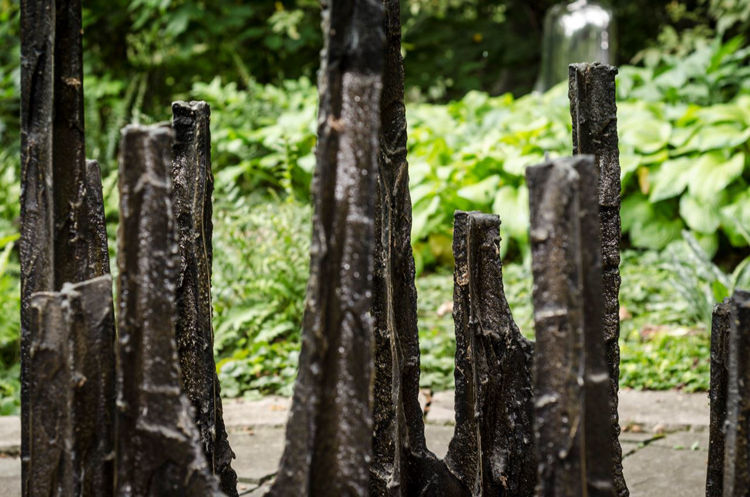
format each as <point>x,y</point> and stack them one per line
<point>579,31</point>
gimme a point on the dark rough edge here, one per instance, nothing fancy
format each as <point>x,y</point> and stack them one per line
<point>593,109</point>
<point>720,325</point>
<point>329,433</point>
<point>398,434</point>
<point>93,228</point>
<point>597,401</point>
<point>73,393</point>
<point>192,187</point>
<point>737,441</point>
<point>36,251</point>
<point>158,445</point>
<point>492,449</point>
<point>558,320</point>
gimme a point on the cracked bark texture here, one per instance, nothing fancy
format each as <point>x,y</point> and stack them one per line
<point>398,431</point>
<point>192,187</point>
<point>492,449</point>
<point>61,209</point>
<point>329,432</point>
<point>596,387</point>
<point>737,436</point>
<point>158,446</point>
<point>593,110</point>
<point>558,319</point>
<point>71,409</point>
<point>720,326</point>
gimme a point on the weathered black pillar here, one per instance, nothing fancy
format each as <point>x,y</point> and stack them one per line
<point>36,252</point>
<point>192,187</point>
<point>492,450</point>
<point>737,437</point>
<point>329,433</point>
<point>398,432</point>
<point>720,325</point>
<point>59,218</point>
<point>593,109</point>
<point>158,446</point>
<point>597,385</point>
<point>558,319</point>
<point>71,375</point>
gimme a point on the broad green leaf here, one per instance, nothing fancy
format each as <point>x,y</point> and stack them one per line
<point>713,172</point>
<point>699,215</point>
<point>671,178</point>
<point>648,136</point>
<point>482,192</point>
<point>512,205</point>
<point>720,136</point>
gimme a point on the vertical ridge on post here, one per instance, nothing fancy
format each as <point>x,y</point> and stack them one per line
<point>720,326</point>
<point>558,320</point>
<point>192,187</point>
<point>158,445</point>
<point>72,395</point>
<point>492,449</point>
<point>329,432</point>
<point>398,431</point>
<point>596,386</point>
<point>94,224</point>
<point>36,252</point>
<point>69,156</point>
<point>737,438</point>
<point>593,110</point>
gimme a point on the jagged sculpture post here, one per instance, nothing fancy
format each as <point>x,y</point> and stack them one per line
<point>558,320</point>
<point>71,375</point>
<point>492,450</point>
<point>737,426</point>
<point>398,433</point>
<point>721,323</point>
<point>158,446</point>
<point>192,187</point>
<point>593,110</point>
<point>329,432</point>
<point>63,239</point>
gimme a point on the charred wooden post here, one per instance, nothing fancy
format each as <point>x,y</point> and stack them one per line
<point>593,109</point>
<point>558,318</point>
<point>71,410</point>
<point>192,187</point>
<point>492,450</point>
<point>329,433</point>
<point>398,431</point>
<point>36,252</point>
<point>59,218</point>
<point>158,446</point>
<point>720,325</point>
<point>596,386</point>
<point>737,438</point>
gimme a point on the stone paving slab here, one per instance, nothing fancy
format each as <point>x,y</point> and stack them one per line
<point>664,439</point>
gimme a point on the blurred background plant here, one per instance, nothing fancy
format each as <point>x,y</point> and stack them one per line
<point>684,121</point>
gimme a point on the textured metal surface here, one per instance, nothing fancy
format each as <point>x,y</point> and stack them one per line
<point>558,320</point>
<point>492,451</point>
<point>71,409</point>
<point>720,325</point>
<point>158,446</point>
<point>192,187</point>
<point>398,432</point>
<point>596,387</point>
<point>329,433</point>
<point>737,437</point>
<point>62,219</point>
<point>593,109</point>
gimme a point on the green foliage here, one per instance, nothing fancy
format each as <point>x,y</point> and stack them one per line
<point>261,252</point>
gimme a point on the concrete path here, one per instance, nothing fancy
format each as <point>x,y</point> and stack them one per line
<point>664,441</point>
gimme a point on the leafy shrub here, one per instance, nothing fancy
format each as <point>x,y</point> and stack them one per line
<point>261,252</point>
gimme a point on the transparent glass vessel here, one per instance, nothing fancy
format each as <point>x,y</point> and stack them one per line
<point>579,31</point>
